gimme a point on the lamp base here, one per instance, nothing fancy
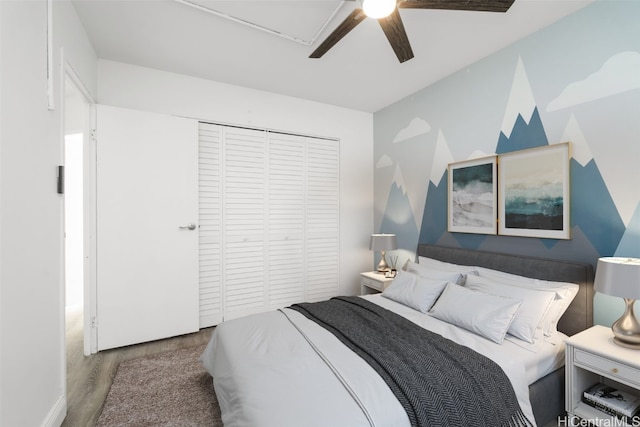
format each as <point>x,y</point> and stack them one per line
<point>626,329</point>
<point>626,344</point>
<point>382,265</point>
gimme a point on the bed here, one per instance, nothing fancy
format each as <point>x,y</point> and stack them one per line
<point>291,367</point>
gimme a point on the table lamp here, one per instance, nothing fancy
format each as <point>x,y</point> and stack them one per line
<point>620,277</point>
<point>383,243</point>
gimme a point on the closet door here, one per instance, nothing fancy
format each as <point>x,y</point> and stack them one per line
<point>286,220</point>
<point>244,222</point>
<point>322,219</point>
<point>269,221</point>
<point>147,263</point>
<point>210,223</point>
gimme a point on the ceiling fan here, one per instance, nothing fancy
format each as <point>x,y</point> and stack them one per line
<point>386,12</point>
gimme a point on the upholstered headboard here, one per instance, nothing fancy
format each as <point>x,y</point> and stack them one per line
<point>579,315</point>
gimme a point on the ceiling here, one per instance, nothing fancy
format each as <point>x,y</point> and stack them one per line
<point>265,44</point>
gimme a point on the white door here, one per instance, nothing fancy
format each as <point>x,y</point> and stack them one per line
<point>147,239</point>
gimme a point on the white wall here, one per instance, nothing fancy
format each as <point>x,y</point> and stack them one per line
<point>130,86</point>
<point>32,358</point>
<point>32,351</point>
<point>78,51</point>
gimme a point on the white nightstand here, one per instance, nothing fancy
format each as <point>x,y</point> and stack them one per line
<point>372,281</point>
<point>591,357</point>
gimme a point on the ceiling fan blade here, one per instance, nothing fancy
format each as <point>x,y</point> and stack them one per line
<point>356,17</point>
<point>394,30</point>
<point>475,5</point>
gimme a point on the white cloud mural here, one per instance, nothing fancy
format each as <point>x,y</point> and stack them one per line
<point>384,162</point>
<point>417,127</point>
<point>618,74</point>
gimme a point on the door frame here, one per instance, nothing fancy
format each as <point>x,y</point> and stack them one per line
<point>89,208</point>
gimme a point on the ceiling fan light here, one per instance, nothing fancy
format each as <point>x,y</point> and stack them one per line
<point>378,8</point>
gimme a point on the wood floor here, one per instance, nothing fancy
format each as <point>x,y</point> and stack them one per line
<point>89,377</point>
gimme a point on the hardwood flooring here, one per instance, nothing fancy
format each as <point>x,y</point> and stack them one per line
<point>89,377</point>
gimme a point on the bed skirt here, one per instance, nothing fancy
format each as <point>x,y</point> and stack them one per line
<point>547,397</point>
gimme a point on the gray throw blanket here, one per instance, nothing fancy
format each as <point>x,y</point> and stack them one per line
<point>438,382</point>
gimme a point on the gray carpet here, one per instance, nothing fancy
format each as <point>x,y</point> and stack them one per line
<point>167,389</point>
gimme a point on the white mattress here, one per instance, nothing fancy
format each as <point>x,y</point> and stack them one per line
<point>266,373</point>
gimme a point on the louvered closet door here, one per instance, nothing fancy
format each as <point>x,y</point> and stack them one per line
<point>322,219</point>
<point>286,212</point>
<point>269,221</point>
<point>210,223</point>
<point>244,251</point>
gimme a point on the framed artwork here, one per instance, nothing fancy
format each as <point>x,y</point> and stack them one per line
<point>534,193</point>
<point>472,196</point>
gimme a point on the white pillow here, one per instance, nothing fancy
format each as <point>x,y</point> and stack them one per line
<point>413,291</point>
<point>434,264</point>
<point>503,276</point>
<point>535,304</point>
<point>565,293</point>
<point>434,273</point>
<point>446,266</point>
<point>487,315</point>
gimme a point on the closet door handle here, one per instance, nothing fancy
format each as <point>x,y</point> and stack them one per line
<point>190,226</point>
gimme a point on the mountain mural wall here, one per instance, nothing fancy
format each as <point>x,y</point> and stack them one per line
<point>577,81</point>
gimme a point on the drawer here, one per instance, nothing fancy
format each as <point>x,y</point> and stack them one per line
<point>372,283</point>
<point>608,368</point>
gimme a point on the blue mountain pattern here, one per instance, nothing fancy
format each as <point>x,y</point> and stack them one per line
<point>434,218</point>
<point>523,136</point>
<point>630,242</point>
<point>597,227</point>
<point>593,209</point>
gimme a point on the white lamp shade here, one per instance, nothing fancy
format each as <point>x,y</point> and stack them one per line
<point>618,277</point>
<point>378,8</point>
<point>383,242</point>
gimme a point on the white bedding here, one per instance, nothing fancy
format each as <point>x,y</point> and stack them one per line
<point>266,373</point>
<point>547,358</point>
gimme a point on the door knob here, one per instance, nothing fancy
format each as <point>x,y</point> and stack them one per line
<point>190,226</point>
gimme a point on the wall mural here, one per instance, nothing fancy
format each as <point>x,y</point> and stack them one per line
<point>562,84</point>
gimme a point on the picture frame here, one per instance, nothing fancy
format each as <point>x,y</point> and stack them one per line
<point>472,196</point>
<point>534,197</point>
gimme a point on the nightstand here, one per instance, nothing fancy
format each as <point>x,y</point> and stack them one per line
<point>591,356</point>
<point>372,282</point>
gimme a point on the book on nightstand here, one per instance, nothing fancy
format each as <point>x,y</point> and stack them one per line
<point>624,406</point>
<point>633,420</point>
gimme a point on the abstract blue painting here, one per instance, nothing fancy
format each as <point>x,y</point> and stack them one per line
<point>534,192</point>
<point>472,196</point>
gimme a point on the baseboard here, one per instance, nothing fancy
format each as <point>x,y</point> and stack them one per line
<point>57,413</point>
